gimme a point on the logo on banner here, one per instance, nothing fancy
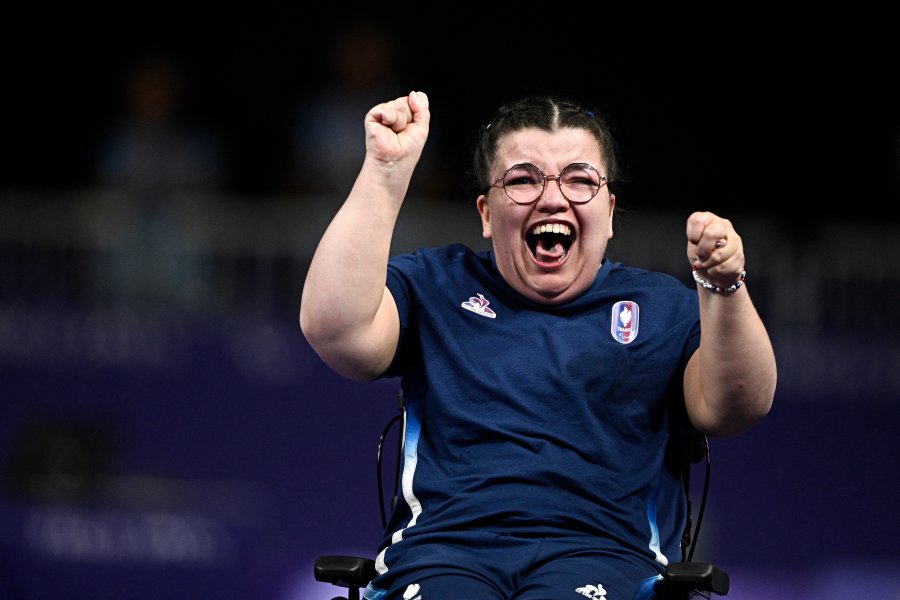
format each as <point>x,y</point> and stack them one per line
<point>625,321</point>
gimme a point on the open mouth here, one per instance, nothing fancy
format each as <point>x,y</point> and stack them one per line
<point>550,242</point>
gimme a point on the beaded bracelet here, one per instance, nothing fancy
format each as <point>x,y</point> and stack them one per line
<point>716,289</point>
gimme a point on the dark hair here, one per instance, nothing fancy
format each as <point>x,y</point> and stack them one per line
<point>543,112</point>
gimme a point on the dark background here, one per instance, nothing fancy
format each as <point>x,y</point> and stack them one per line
<point>771,117</point>
<point>196,447</point>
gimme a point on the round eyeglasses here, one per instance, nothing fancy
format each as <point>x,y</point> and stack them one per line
<point>525,183</point>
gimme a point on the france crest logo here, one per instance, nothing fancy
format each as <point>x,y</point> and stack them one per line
<point>625,321</point>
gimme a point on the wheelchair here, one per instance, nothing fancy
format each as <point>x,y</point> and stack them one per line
<point>683,580</point>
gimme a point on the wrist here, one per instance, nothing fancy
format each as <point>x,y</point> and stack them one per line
<point>714,289</point>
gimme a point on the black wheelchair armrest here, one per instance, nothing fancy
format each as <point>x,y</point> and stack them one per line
<point>683,577</point>
<point>345,571</point>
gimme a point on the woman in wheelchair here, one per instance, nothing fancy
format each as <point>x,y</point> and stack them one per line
<point>544,383</point>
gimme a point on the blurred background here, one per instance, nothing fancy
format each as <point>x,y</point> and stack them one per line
<point>167,432</point>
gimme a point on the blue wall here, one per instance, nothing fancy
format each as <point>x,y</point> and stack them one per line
<point>217,459</point>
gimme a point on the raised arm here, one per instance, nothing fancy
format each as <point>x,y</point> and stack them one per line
<point>730,381</point>
<point>346,312</point>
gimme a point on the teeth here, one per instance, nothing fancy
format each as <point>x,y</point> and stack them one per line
<point>561,228</point>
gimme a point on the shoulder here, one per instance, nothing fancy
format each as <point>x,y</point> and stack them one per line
<point>445,257</point>
<point>622,275</point>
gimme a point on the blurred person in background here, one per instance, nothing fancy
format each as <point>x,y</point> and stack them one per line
<point>156,149</point>
<point>362,62</point>
<point>159,169</point>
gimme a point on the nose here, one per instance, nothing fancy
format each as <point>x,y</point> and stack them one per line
<point>552,198</point>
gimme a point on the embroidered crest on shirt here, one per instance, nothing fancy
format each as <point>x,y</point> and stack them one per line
<point>625,321</point>
<point>479,305</point>
<point>592,591</point>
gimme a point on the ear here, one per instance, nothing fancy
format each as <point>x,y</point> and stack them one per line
<point>612,208</point>
<point>484,209</point>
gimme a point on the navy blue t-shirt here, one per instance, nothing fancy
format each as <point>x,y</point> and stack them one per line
<point>541,420</point>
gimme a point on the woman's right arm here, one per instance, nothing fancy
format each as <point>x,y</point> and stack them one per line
<point>346,312</point>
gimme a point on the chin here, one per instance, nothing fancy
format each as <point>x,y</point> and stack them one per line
<point>550,290</point>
